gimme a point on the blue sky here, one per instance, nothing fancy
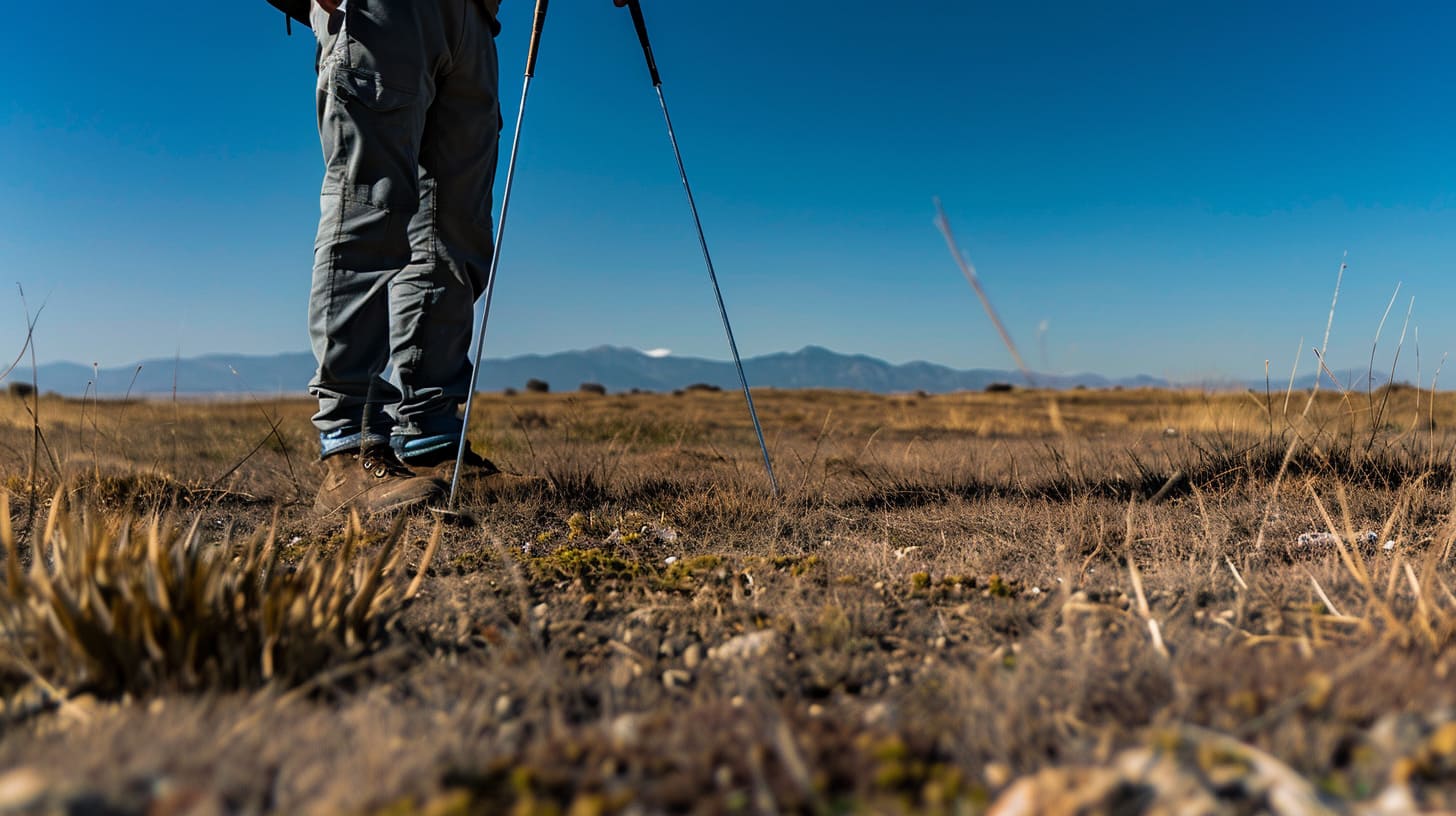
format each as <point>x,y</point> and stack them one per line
<point>1169,187</point>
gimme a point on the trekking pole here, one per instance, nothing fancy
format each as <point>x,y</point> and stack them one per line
<point>635,6</point>
<point>500,231</point>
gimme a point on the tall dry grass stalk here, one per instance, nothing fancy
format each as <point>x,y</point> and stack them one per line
<point>969,271</point>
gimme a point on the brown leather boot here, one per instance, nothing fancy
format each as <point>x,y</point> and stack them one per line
<point>480,478</point>
<point>373,481</point>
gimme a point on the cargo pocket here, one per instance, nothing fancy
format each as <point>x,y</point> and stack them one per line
<point>370,89</point>
<point>376,128</point>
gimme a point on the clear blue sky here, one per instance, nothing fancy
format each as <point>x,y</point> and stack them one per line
<point>1168,186</point>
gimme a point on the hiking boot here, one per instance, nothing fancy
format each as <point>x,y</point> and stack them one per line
<point>373,481</point>
<point>479,477</point>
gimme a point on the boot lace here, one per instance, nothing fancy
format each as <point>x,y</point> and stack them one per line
<point>381,463</point>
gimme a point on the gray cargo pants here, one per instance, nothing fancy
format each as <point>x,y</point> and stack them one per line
<point>409,118</point>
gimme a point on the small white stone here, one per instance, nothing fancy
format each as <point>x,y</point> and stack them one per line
<point>693,655</point>
<point>625,730</point>
<point>751,646</point>
<point>21,789</point>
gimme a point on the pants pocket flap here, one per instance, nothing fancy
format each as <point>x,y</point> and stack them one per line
<point>370,89</point>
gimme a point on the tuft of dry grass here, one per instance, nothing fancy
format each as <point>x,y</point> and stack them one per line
<point>116,605</point>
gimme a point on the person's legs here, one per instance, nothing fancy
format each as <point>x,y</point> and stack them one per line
<point>377,60</point>
<point>432,299</point>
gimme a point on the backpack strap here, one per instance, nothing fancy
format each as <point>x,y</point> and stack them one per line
<point>295,9</point>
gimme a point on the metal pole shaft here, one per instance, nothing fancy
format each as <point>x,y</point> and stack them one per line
<point>500,231</point>
<point>538,25</point>
<point>717,291</point>
<point>639,22</point>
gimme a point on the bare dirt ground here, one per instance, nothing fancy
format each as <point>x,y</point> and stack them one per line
<point>1098,602</point>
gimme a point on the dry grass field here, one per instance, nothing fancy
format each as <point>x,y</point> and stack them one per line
<point>1097,602</point>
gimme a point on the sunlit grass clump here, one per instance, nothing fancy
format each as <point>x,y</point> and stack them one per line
<point>113,604</point>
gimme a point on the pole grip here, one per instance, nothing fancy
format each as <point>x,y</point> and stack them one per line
<point>635,6</point>
<point>536,29</point>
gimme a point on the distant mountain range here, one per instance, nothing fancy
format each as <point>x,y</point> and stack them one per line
<point>617,369</point>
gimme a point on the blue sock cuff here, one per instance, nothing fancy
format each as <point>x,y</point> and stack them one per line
<point>414,446</point>
<point>334,442</point>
